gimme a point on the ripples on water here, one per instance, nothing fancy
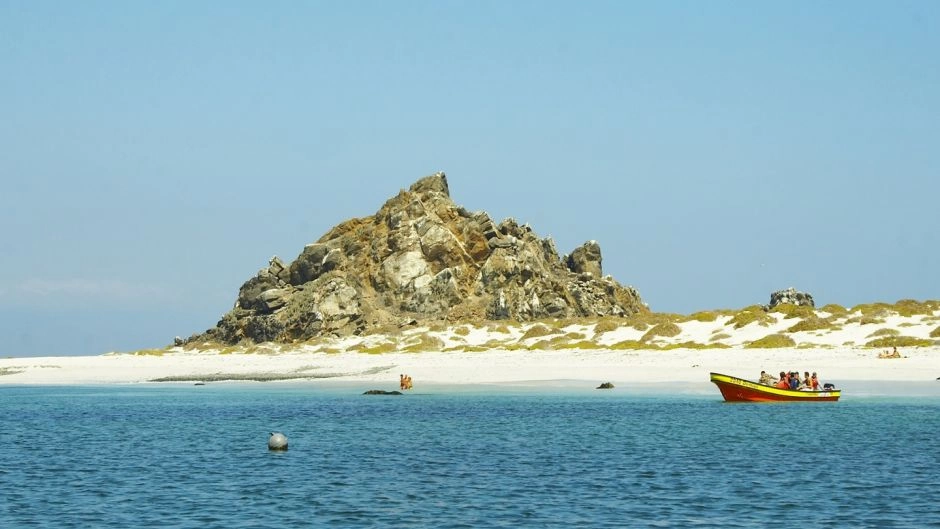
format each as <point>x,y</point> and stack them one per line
<point>197,456</point>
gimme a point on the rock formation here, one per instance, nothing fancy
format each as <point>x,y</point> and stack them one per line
<point>791,296</point>
<point>420,258</point>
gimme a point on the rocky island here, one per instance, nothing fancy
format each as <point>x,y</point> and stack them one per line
<point>420,258</point>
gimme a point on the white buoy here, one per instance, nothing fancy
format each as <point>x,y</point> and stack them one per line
<point>277,441</point>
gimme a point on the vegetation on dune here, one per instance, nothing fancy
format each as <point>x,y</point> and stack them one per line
<point>643,320</point>
<point>884,332</point>
<point>935,333</point>
<point>703,316</point>
<point>422,343</point>
<point>150,352</point>
<point>462,330</point>
<point>537,330</point>
<point>666,329</point>
<point>834,309</point>
<point>719,336</point>
<point>911,307</point>
<point>752,314</point>
<point>771,341</point>
<point>812,323</point>
<point>694,345</point>
<point>866,320</point>
<point>900,341</point>
<point>379,348</point>
<point>631,345</point>
<point>607,325</point>
<point>790,311</point>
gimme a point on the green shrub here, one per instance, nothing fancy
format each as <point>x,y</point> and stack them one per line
<point>834,309</point>
<point>631,344</point>
<point>539,329</point>
<point>771,341</point>
<point>879,310</point>
<point>935,333</point>
<point>694,345</point>
<point>900,341</point>
<point>575,336</point>
<point>704,316</point>
<point>884,332</point>
<point>752,314</point>
<point>463,330</point>
<point>719,336</point>
<point>666,329</point>
<point>606,325</point>
<point>790,311</point>
<point>910,307</point>
<point>812,323</point>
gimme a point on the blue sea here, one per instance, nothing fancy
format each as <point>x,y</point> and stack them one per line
<point>197,456</point>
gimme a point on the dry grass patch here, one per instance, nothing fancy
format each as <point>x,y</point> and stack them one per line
<point>935,333</point>
<point>835,310</point>
<point>694,345</point>
<point>884,332</point>
<point>607,325</point>
<point>665,329</point>
<point>422,343</point>
<point>537,330</point>
<point>752,314</point>
<point>900,341</point>
<point>911,307</point>
<point>771,341</point>
<point>704,316</point>
<point>812,323</point>
<point>463,330</point>
<point>150,352</point>
<point>631,345</point>
<point>794,311</point>
<point>379,348</point>
<point>719,336</point>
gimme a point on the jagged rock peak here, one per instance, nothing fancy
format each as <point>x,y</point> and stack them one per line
<point>420,258</point>
<point>436,183</point>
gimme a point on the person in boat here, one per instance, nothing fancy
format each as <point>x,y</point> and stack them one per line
<point>814,382</point>
<point>767,379</point>
<point>795,380</point>
<point>807,382</point>
<point>783,383</point>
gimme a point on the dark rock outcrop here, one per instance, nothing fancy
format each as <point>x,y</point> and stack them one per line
<point>792,297</point>
<point>606,385</point>
<point>420,258</point>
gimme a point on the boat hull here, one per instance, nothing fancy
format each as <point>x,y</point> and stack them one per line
<point>734,389</point>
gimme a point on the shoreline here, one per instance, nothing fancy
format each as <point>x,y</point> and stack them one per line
<point>560,368</point>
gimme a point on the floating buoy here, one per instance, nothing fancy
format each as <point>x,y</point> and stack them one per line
<point>277,441</point>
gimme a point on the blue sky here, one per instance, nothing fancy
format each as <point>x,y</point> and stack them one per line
<point>156,154</point>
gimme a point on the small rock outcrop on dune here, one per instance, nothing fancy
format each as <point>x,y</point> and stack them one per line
<point>420,258</point>
<point>791,296</point>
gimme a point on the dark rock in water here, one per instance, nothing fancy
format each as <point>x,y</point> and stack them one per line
<point>792,297</point>
<point>381,392</point>
<point>605,385</point>
<point>421,258</point>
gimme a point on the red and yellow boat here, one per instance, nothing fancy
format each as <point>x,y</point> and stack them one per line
<point>738,390</point>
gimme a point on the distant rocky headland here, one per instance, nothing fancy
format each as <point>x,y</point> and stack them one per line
<point>420,258</point>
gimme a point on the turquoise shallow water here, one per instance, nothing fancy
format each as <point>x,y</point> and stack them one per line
<point>196,456</point>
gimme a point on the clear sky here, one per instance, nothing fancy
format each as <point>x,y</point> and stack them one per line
<point>155,155</point>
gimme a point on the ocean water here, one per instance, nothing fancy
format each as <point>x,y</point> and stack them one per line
<point>196,456</point>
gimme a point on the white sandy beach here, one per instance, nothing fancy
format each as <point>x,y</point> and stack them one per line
<point>838,356</point>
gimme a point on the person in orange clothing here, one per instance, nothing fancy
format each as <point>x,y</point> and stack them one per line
<point>784,382</point>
